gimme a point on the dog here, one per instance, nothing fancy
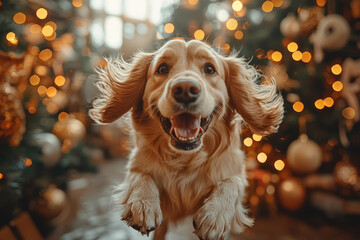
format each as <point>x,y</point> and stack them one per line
<point>187,105</point>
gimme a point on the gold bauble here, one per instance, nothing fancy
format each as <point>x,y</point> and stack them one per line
<point>304,155</point>
<point>70,129</point>
<point>291,193</point>
<point>52,203</point>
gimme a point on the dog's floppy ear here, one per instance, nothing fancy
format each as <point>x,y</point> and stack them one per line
<point>259,104</point>
<point>121,86</point>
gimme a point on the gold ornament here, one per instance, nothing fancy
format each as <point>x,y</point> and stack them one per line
<point>304,155</point>
<point>291,193</point>
<point>69,129</point>
<point>52,203</point>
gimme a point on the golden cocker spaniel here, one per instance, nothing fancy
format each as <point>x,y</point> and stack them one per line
<point>187,103</point>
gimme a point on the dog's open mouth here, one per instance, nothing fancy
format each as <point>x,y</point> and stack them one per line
<point>185,129</point>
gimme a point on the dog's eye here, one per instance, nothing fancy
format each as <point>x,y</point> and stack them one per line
<point>209,69</point>
<point>163,69</point>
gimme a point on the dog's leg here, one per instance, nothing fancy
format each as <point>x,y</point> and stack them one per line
<point>160,232</point>
<point>139,202</point>
<point>222,210</point>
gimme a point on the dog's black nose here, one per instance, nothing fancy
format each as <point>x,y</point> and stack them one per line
<point>185,90</point>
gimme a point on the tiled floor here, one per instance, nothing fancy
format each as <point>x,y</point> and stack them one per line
<point>92,218</point>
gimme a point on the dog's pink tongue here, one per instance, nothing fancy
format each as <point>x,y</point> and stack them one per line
<point>186,125</point>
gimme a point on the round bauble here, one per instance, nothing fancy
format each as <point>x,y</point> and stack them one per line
<point>292,194</point>
<point>290,26</point>
<point>52,203</point>
<point>304,155</point>
<point>50,146</point>
<point>70,129</point>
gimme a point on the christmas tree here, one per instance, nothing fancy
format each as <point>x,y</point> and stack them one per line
<point>42,118</point>
<point>311,48</point>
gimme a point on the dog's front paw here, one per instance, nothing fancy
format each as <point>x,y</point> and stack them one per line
<point>212,221</point>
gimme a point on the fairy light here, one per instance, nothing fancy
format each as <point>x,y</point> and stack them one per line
<point>34,80</point>
<point>277,3</point>
<point>292,47</point>
<point>41,90</point>
<point>262,157</point>
<point>41,13</point>
<point>279,164</point>
<point>248,142</point>
<point>19,18</point>
<point>77,3</point>
<point>329,102</point>
<point>270,189</point>
<point>51,92</point>
<point>231,24</point>
<point>267,6</point>
<point>47,30</point>
<point>298,106</point>
<point>10,36</point>
<point>321,3</point>
<point>32,109</point>
<point>193,2</point>
<point>237,5</point>
<point>59,80</point>
<point>239,35</point>
<point>199,34</point>
<point>27,162</point>
<point>45,54</point>
<point>336,69</point>
<point>297,55</point>
<point>1,176</point>
<point>337,86</point>
<point>257,137</point>
<point>35,28</point>
<point>169,28</point>
<point>276,56</point>
<point>319,104</point>
<point>63,116</point>
<point>348,113</point>
<point>306,57</point>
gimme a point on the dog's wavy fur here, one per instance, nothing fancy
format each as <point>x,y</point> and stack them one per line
<point>164,184</point>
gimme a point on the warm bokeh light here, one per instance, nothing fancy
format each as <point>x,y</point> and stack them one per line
<point>306,57</point>
<point>276,56</point>
<point>237,5</point>
<point>231,24</point>
<point>248,142</point>
<point>52,108</point>
<point>19,18</point>
<point>34,80</point>
<point>348,113</point>
<point>337,86</point>
<point>10,36</point>
<point>270,189</point>
<point>63,116</point>
<point>35,28</point>
<point>319,104</point>
<point>298,106</point>
<point>277,3</point>
<point>329,102</point>
<point>41,90</point>
<point>193,2</point>
<point>41,13</point>
<point>336,69</point>
<point>45,54</point>
<point>27,162</point>
<point>77,3</point>
<point>47,30</point>
<point>297,55</point>
<point>267,6</point>
<point>59,80</point>
<point>32,109</point>
<point>1,176</point>
<point>239,35</point>
<point>52,24</point>
<point>321,3</point>
<point>292,47</point>
<point>51,92</point>
<point>52,37</point>
<point>279,164</point>
<point>257,137</point>
<point>262,157</point>
<point>169,28</point>
<point>199,34</point>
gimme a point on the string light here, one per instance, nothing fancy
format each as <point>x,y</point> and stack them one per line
<point>257,137</point>
<point>35,28</point>
<point>298,106</point>
<point>45,54</point>
<point>231,24</point>
<point>34,80</point>
<point>348,113</point>
<point>239,35</point>
<point>336,69</point>
<point>19,18</point>
<point>32,109</point>
<point>47,30</point>
<point>199,34</point>
<point>77,3</point>
<point>248,142</point>
<point>10,36</point>
<point>319,104</point>
<point>41,90</point>
<point>41,13</point>
<point>59,80</point>
<point>51,92</point>
<point>329,102</point>
<point>279,164</point>
<point>292,47</point>
<point>297,55</point>
<point>337,86</point>
<point>306,57</point>
<point>27,162</point>
<point>262,157</point>
<point>193,2</point>
<point>237,5</point>
<point>267,6</point>
<point>321,3</point>
<point>63,116</point>
<point>277,3</point>
<point>276,56</point>
<point>169,28</point>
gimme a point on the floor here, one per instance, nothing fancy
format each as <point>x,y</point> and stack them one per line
<point>91,216</point>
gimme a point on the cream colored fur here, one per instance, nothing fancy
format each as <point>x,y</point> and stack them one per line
<point>165,184</point>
